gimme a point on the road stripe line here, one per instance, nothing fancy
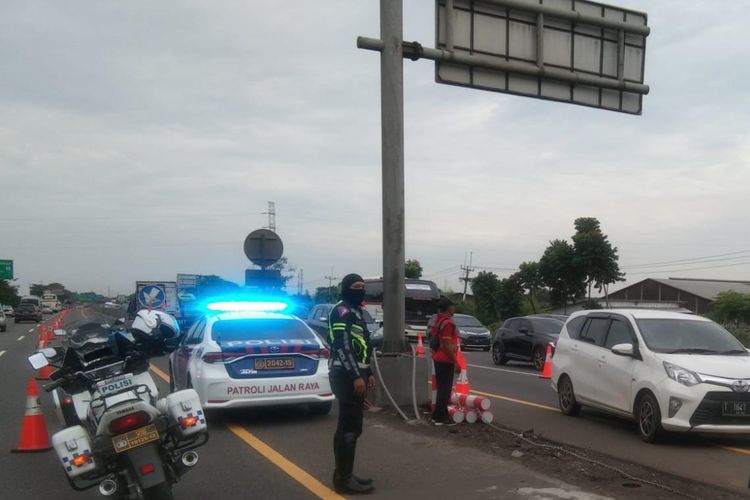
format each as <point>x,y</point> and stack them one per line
<point>31,330</point>
<point>21,337</point>
<point>1,353</point>
<point>741,451</point>
<point>504,370</point>
<point>273,456</point>
<point>519,401</point>
<point>298,474</point>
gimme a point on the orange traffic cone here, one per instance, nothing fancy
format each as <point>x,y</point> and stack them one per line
<point>547,371</point>
<point>45,372</point>
<point>420,346</point>
<point>34,436</point>
<point>462,384</point>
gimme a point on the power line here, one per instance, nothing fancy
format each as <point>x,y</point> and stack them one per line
<point>467,269</point>
<point>694,260</point>
<point>679,270</point>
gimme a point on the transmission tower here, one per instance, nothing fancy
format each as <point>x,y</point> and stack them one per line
<point>271,213</point>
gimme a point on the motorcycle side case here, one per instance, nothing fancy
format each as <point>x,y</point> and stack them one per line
<point>186,403</point>
<point>70,443</point>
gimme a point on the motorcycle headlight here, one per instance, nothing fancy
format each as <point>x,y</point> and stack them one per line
<point>681,375</point>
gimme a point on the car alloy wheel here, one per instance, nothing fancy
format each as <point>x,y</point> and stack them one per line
<point>567,398</point>
<point>649,418</point>
<point>498,354</point>
<point>538,358</point>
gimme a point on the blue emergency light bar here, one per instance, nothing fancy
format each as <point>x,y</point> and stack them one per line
<point>247,306</point>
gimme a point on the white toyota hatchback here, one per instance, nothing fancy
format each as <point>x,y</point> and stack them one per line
<point>244,355</point>
<point>668,371</point>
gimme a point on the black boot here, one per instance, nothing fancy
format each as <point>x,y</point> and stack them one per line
<point>345,481</point>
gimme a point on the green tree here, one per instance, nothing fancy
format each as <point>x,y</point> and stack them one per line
<point>510,297</point>
<point>596,256</point>
<point>530,280</point>
<point>282,265</point>
<point>485,286</point>
<point>8,293</point>
<point>732,307</point>
<point>213,285</point>
<point>561,273</point>
<point>413,269</point>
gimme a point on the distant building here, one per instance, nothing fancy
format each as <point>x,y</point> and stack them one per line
<point>695,295</point>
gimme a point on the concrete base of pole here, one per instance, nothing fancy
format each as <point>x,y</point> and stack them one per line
<point>396,371</point>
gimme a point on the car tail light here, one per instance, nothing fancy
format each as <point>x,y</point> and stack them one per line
<point>129,422</point>
<point>324,353</point>
<point>187,422</point>
<point>221,357</point>
<point>81,460</point>
<point>147,469</point>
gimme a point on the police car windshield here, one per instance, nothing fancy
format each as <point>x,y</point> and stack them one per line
<point>260,329</point>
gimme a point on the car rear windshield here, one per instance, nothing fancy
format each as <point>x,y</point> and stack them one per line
<point>688,336</point>
<point>467,321</point>
<point>260,329</point>
<point>546,325</point>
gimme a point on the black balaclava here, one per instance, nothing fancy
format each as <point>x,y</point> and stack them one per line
<point>352,297</point>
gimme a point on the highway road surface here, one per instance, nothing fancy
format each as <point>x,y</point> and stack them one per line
<point>285,453</point>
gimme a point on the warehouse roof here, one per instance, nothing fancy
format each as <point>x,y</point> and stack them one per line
<point>708,289</point>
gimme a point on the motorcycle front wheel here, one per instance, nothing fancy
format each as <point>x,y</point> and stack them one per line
<point>161,491</point>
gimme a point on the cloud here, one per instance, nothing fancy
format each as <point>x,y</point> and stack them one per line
<point>142,139</point>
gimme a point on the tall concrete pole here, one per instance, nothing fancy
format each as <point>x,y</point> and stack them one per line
<point>392,141</point>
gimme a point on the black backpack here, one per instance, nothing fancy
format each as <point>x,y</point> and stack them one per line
<point>435,337</point>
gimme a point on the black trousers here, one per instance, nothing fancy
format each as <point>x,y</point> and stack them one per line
<point>349,428</point>
<point>444,376</point>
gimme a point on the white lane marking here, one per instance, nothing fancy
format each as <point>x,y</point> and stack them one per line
<point>31,330</point>
<point>1,353</point>
<point>504,370</point>
<point>21,337</point>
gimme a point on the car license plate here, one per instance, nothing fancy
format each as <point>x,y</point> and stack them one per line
<point>115,384</point>
<point>274,364</point>
<point>735,408</point>
<point>136,438</point>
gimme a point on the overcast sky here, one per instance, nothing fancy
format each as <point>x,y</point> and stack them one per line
<point>140,139</point>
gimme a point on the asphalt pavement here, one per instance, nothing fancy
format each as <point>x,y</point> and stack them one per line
<point>523,401</point>
<point>274,452</point>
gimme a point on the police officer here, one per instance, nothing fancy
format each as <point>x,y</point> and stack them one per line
<point>350,378</point>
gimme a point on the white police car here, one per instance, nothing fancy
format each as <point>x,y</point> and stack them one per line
<point>244,354</point>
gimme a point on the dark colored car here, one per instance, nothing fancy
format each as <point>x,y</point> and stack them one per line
<point>317,319</point>
<point>472,332</point>
<point>28,312</point>
<point>525,339</point>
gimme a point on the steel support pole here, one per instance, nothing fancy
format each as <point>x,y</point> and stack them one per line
<point>392,143</point>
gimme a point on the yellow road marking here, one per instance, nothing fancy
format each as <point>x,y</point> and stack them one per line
<point>162,375</point>
<point>298,474</point>
<point>519,401</point>
<point>741,451</point>
<point>273,456</point>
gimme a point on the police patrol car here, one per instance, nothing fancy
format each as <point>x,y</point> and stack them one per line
<point>246,353</point>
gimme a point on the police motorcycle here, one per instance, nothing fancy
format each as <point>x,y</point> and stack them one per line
<point>121,436</point>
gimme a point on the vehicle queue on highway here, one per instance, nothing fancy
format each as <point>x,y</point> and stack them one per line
<point>669,372</point>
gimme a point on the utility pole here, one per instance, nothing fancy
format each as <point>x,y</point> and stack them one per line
<point>392,144</point>
<point>467,269</point>
<point>301,282</point>
<point>271,213</point>
<point>331,278</point>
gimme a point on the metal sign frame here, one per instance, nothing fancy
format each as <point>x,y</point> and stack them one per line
<point>572,51</point>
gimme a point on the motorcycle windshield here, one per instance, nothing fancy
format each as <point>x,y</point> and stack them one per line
<point>267,348</point>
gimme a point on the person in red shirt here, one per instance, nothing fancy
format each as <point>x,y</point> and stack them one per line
<point>444,358</point>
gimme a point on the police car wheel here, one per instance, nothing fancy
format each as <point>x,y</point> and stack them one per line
<point>321,408</point>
